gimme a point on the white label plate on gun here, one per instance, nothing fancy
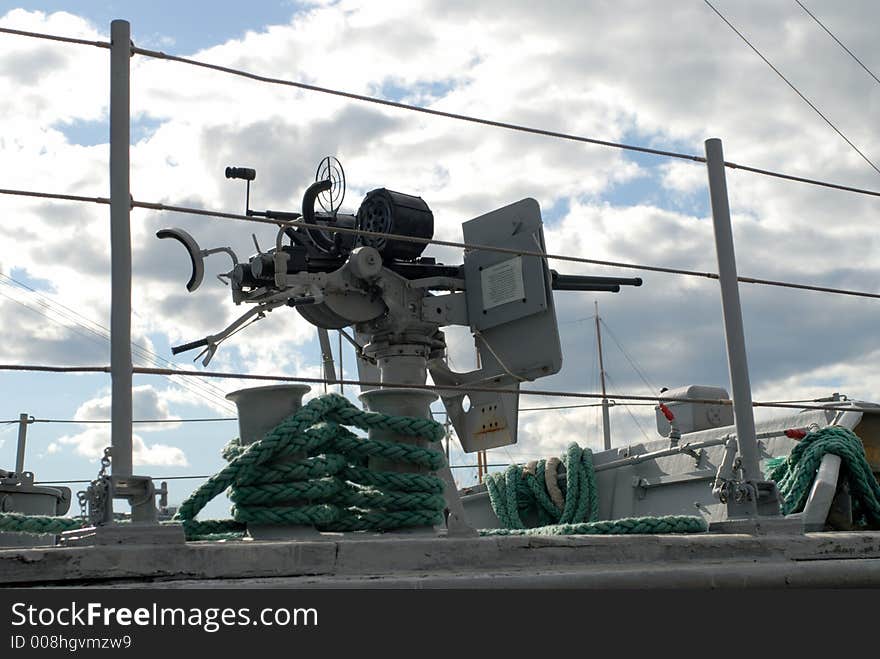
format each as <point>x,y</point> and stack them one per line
<point>502,283</point>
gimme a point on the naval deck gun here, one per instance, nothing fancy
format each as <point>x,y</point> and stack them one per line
<point>366,270</point>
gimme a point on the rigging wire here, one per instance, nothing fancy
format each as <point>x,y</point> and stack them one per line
<point>577,320</point>
<point>461,117</point>
<point>90,421</point>
<point>103,332</point>
<point>839,42</point>
<point>195,477</point>
<point>426,387</point>
<point>413,108</point>
<point>500,124</point>
<point>796,90</point>
<point>500,250</point>
<point>449,243</point>
<point>54,37</point>
<point>632,362</point>
<point>37,311</point>
<point>598,416</point>
<point>496,124</point>
<point>232,418</point>
<point>629,411</point>
<point>562,407</point>
<point>210,393</point>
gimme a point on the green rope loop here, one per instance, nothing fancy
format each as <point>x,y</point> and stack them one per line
<point>332,489</point>
<point>625,526</point>
<point>310,469</point>
<point>37,524</point>
<point>794,476</point>
<point>517,489</point>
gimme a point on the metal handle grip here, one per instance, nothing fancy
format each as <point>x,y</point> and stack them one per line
<point>244,173</point>
<point>176,350</point>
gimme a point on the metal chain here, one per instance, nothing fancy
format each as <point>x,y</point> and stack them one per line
<point>93,500</point>
<point>105,462</point>
<point>81,497</point>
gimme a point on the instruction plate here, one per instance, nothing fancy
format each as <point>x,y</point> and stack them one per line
<point>502,283</point>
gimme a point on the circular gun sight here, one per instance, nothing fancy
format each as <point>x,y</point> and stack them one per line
<point>244,173</point>
<point>331,199</point>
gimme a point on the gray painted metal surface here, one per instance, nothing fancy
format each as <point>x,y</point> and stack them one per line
<point>259,410</point>
<point>20,495</point>
<point>676,480</point>
<point>732,312</point>
<point>606,420</point>
<point>120,248</point>
<point>822,493</point>
<point>23,421</point>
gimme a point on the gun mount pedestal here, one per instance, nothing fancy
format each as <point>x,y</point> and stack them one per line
<point>400,402</point>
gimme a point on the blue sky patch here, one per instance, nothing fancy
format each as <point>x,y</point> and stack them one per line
<point>172,25</point>
<point>42,285</point>
<point>392,90</point>
<point>647,188</point>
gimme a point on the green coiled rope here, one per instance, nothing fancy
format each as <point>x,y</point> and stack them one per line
<point>795,474</point>
<point>517,490</point>
<point>37,524</point>
<point>310,469</point>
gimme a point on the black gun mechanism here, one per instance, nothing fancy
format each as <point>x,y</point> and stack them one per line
<point>346,269</point>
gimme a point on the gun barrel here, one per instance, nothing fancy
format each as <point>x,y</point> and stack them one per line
<point>276,215</point>
<point>586,283</point>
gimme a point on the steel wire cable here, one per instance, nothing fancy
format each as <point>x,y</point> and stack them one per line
<point>91,335</point>
<point>211,394</point>
<point>413,108</point>
<point>632,362</point>
<point>499,124</point>
<point>626,407</point>
<point>84,321</point>
<point>795,89</point>
<point>54,37</point>
<point>359,97</point>
<point>502,250</point>
<point>87,324</point>
<point>449,243</point>
<point>146,421</point>
<point>450,115</point>
<point>197,477</point>
<point>839,42</point>
<point>428,387</point>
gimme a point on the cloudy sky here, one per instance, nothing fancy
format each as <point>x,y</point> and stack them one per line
<point>663,74</point>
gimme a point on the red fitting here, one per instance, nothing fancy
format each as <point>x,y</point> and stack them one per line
<point>796,433</point>
<point>667,413</point>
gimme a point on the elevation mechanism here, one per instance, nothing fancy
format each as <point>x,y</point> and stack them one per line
<point>397,301</point>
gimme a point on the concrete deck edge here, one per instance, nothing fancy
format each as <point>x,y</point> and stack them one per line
<point>835,573</point>
<point>394,556</point>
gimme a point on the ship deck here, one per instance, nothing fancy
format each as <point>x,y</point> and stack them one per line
<point>711,560</point>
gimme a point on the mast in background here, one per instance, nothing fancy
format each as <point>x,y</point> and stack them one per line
<point>606,422</point>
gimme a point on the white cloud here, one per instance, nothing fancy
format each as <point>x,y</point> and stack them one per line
<point>603,71</point>
<point>147,403</point>
<point>91,442</point>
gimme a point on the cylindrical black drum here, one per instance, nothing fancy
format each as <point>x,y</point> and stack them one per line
<point>387,211</point>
